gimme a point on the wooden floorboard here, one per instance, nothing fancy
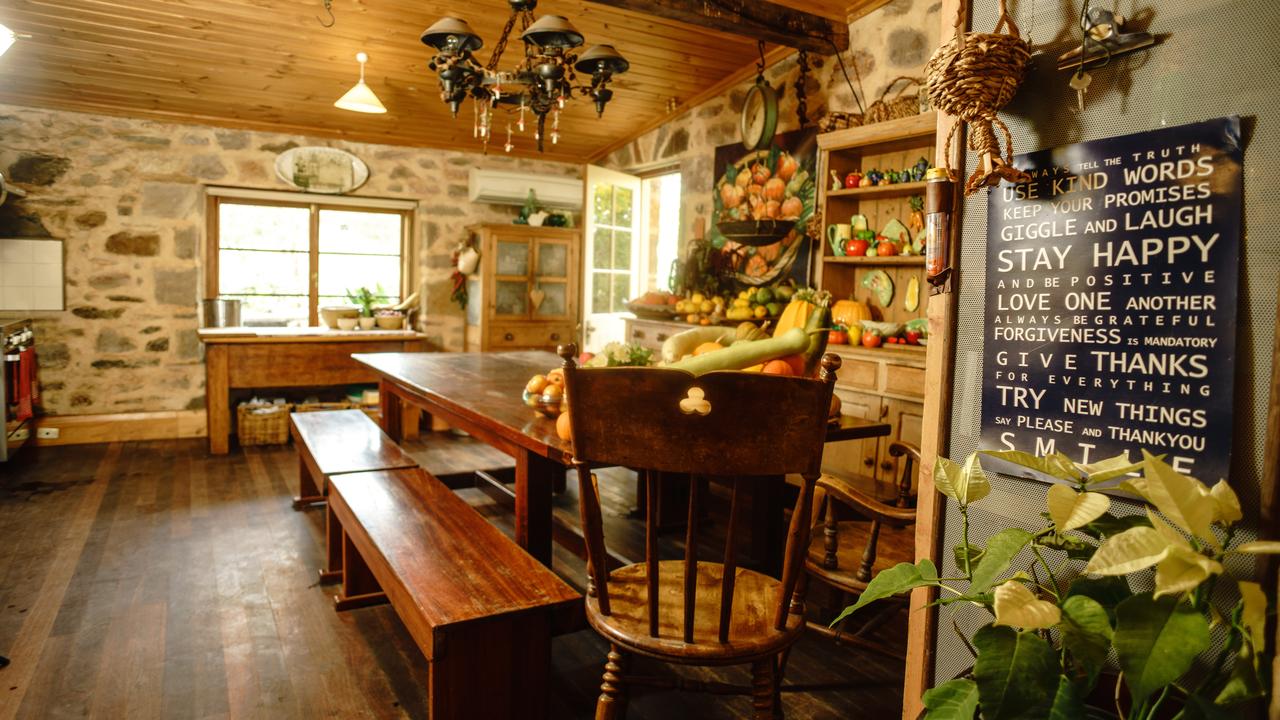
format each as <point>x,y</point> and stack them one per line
<point>151,580</point>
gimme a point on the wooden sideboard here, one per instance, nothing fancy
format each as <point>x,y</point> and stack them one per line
<point>267,358</point>
<point>883,384</point>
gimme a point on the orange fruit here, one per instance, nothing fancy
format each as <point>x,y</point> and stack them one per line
<point>552,394</point>
<point>556,377</point>
<point>796,362</point>
<point>707,347</point>
<point>563,429</point>
<point>778,367</point>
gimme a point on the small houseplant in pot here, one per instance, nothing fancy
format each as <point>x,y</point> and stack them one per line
<point>1055,630</point>
<point>366,299</point>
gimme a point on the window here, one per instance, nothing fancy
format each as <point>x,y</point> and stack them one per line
<point>611,261</point>
<point>285,259</point>
<point>660,227</point>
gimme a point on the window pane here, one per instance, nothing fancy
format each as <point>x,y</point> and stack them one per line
<point>600,292</point>
<point>553,260</point>
<point>622,206</point>
<point>621,250</point>
<point>264,227</point>
<point>602,250</point>
<point>352,231</point>
<point>253,272</point>
<point>621,291</point>
<point>342,273</point>
<point>553,300</point>
<point>513,258</point>
<point>511,298</point>
<point>604,204</point>
<point>288,310</point>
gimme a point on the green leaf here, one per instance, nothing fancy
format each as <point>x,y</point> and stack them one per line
<point>896,580</point>
<point>1244,682</point>
<point>1182,498</point>
<point>1201,708</point>
<point>973,551</point>
<point>1130,551</point>
<point>1156,642</point>
<point>952,700</point>
<point>1108,469</point>
<point>1001,549</point>
<point>1253,613</point>
<point>1106,591</point>
<point>1067,704</point>
<point>1056,465</point>
<point>1086,634</point>
<point>963,483</point>
<point>1017,674</point>
<point>1109,525</point>
<point>1074,547</point>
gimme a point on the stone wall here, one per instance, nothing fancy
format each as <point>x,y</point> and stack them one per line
<point>894,41</point>
<point>126,198</point>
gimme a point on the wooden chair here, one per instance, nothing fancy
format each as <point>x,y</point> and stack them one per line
<point>692,612</point>
<point>846,554</point>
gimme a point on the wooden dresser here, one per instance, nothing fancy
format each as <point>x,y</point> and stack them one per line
<point>525,294</point>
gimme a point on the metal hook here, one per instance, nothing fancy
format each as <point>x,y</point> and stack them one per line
<point>328,7</point>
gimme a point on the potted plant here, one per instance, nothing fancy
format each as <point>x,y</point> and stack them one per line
<point>365,299</point>
<point>1053,631</point>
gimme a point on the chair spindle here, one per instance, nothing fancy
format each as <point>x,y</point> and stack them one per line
<point>730,565</point>
<point>593,532</point>
<point>869,553</point>
<point>691,559</point>
<point>798,543</point>
<point>830,536</point>
<point>651,480</point>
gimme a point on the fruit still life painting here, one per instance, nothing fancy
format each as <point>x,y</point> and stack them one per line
<point>762,205</point>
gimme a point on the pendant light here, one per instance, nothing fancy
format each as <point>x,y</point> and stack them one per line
<point>7,38</point>
<point>360,98</point>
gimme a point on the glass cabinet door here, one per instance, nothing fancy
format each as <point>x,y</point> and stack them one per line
<point>551,277</point>
<point>511,266</point>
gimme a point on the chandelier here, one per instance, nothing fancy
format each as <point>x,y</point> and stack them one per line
<point>543,81</point>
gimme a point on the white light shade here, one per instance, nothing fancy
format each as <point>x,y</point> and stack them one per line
<point>6,38</point>
<point>360,98</point>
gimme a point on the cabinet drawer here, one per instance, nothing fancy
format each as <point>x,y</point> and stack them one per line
<point>902,380</point>
<point>529,336</point>
<point>649,336</point>
<point>857,374</point>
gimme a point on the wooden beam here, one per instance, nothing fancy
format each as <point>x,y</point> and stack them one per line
<point>757,19</point>
<point>771,58</point>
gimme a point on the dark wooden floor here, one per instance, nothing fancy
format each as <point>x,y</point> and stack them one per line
<point>150,580</point>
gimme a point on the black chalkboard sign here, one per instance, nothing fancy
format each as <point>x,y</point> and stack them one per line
<point>1111,299</point>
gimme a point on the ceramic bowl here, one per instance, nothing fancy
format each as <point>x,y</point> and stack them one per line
<point>347,323</point>
<point>330,313</point>
<point>367,323</point>
<point>390,322</point>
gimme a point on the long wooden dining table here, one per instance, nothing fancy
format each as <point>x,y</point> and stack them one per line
<point>480,393</point>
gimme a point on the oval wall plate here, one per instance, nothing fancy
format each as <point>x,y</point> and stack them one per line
<point>321,169</point>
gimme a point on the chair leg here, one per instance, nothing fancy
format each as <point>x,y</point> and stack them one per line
<point>612,704</point>
<point>764,692</point>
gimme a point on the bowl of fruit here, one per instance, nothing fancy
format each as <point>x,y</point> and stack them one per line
<point>763,197</point>
<point>545,394</point>
<point>654,304</point>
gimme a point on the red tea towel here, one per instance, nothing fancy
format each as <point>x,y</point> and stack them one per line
<point>25,389</point>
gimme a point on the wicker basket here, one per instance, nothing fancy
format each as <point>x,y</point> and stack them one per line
<point>266,428</point>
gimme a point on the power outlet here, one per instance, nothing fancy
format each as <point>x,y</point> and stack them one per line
<point>48,433</point>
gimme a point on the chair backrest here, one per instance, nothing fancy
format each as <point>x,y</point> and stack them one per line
<point>732,425</point>
<point>906,498</point>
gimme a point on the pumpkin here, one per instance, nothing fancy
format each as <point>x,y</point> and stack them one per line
<point>850,313</point>
<point>795,315</point>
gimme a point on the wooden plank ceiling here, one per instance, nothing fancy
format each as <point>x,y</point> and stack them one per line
<point>269,65</point>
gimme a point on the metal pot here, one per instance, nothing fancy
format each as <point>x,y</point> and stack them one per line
<point>221,312</point>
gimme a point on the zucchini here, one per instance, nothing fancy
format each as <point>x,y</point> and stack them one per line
<point>683,343</point>
<point>744,355</point>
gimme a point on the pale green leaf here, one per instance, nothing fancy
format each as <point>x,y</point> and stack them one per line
<point>1070,509</point>
<point>1067,704</point>
<point>1182,570</point>
<point>1182,498</point>
<point>1016,606</point>
<point>1166,530</point>
<point>1017,673</point>
<point>1056,465</point>
<point>952,700</point>
<point>896,580</point>
<point>1086,633</point>
<point>1254,615</point>
<point>1000,551</point>
<point>1226,506</point>
<point>1156,642</point>
<point>1260,547</point>
<point>965,483</point>
<point>1245,682</point>
<point>1130,551</point>
<point>1108,469</point>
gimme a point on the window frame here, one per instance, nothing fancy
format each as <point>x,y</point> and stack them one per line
<point>314,204</point>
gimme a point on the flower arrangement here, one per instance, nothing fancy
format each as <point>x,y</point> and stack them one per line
<point>1052,633</point>
<point>616,354</point>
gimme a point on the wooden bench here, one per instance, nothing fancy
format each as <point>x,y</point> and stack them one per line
<point>338,442</point>
<point>482,610</point>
